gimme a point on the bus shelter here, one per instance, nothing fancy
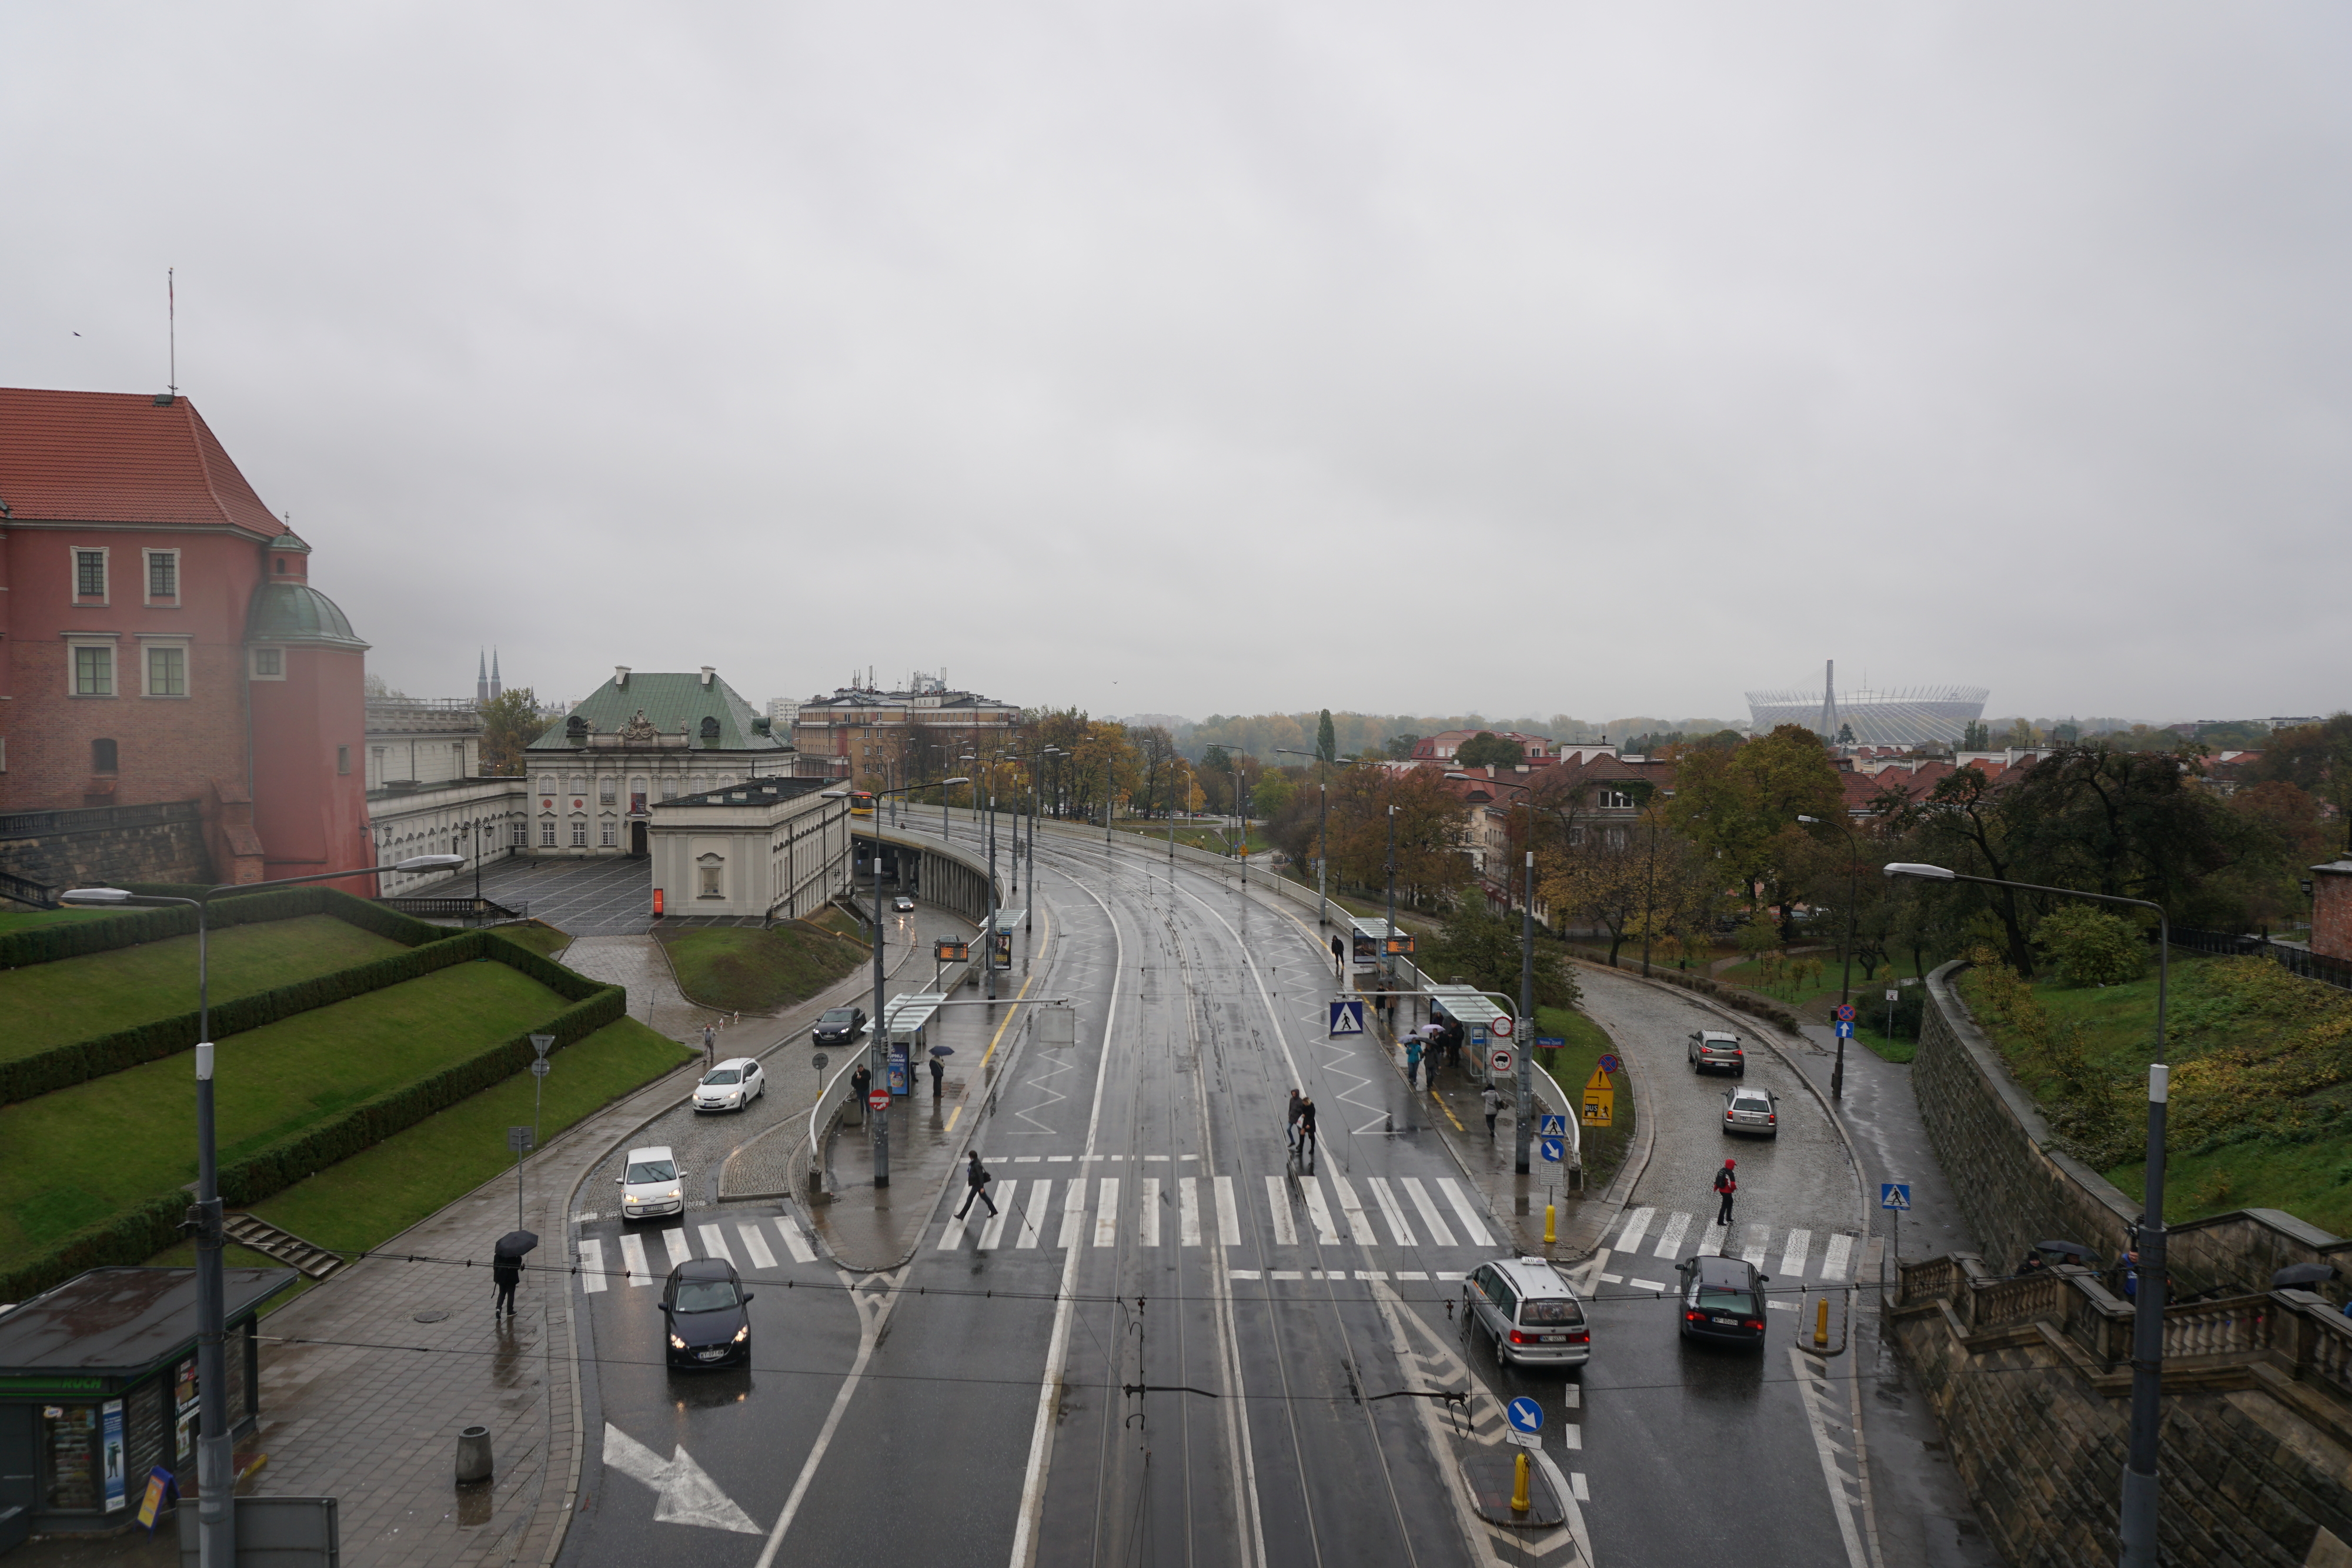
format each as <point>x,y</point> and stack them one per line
<point>1475,1011</point>
<point>906,1024</point>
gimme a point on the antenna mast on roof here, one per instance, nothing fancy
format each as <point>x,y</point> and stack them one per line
<point>172,326</point>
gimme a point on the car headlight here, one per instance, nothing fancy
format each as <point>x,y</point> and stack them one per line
<point>676,1342</point>
<point>742,1333</point>
<point>630,1197</point>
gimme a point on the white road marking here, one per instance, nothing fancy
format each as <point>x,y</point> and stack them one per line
<point>1360,1228</point>
<point>684,1492</point>
<point>1835,1256</point>
<point>1468,1215</point>
<point>1229,1214</point>
<point>755,1246</point>
<point>592,1266</point>
<point>633,1258</point>
<point>1444,1275</point>
<point>1841,1501</point>
<point>1613,1279</point>
<point>1645,1284</point>
<point>1781,1306</point>
<point>1277,1201</point>
<point>1188,1212</point>
<point>1161,1158</point>
<point>993,1231</point>
<point>1430,1219</point>
<point>1792,1259</point>
<point>1107,1213</point>
<point>1389,1211</point>
<point>1147,1210</point>
<point>872,1316</point>
<point>796,1240</point>
<point>1572,1396</point>
<point>1283,1274</point>
<point>714,1244</point>
<point>1371,1274</point>
<point>1713,1240</point>
<point>1576,1485</point>
<point>952,1233</point>
<point>1026,1159</point>
<point>1572,1435</point>
<point>1320,1217</point>
<point>1242,1273</point>
<point>1637,1225</point>
<point>680,1249</point>
<point>1059,1159</point>
<point>1759,1237</point>
<point>1670,1239</point>
<point>1041,1201</point>
<point>1411,1274</point>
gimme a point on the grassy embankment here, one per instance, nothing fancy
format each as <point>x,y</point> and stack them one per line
<point>535,935</point>
<point>78,998</point>
<point>1586,1042</point>
<point>742,969</point>
<point>1812,995</point>
<point>2262,1088</point>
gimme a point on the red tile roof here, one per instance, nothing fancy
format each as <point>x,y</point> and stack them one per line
<point>120,457</point>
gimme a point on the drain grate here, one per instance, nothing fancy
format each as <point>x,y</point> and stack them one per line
<point>435,1316</point>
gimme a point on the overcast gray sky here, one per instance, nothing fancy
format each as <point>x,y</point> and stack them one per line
<point>1192,357</point>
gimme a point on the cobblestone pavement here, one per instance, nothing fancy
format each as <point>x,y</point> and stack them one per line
<point>638,962</point>
<point>586,897</point>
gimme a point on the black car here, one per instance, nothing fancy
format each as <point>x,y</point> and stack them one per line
<point>839,1026</point>
<point>1722,1298</point>
<point>703,1305</point>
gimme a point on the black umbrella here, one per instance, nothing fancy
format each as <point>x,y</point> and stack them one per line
<point>2302,1274</point>
<point>515,1243</point>
<point>944,1050</point>
<point>2067,1250</point>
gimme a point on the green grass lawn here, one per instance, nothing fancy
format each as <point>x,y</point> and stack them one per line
<point>1604,1147</point>
<point>18,919</point>
<point>740,968</point>
<point>87,1151</point>
<point>374,1195</point>
<point>537,936</point>
<point>98,993</point>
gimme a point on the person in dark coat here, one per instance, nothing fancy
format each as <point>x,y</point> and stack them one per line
<point>1725,1186</point>
<point>976,1177</point>
<point>938,1076</point>
<point>859,1082</point>
<point>1307,1124</point>
<point>505,1273</point>
<point>1290,1122</point>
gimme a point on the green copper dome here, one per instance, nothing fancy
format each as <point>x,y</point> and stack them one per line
<point>297,613</point>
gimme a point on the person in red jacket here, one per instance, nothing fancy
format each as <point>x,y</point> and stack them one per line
<point>1726,1185</point>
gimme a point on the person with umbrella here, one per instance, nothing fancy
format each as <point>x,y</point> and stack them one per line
<point>506,1269</point>
<point>939,1068</point>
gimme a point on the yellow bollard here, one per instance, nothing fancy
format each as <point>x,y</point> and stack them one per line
<point>1551,1229</point>
<point>1822,1322</point>
<point>1519,1503</point>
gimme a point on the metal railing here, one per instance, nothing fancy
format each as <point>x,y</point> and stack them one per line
<point>447,906</point>
<point>97,819</point>
<point>40,895</point>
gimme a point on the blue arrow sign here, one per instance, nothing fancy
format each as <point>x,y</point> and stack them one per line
<point>1894,1194</point>
<point>1347,1018</point>
<point>1845,1031</point>
<point>1553,1127</point>
<point>1526,1416</point>
<point>1554,1149</point>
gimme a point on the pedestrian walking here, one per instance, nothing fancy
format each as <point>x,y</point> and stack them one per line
<point>1290,1121</point>
<point>505,1273</point>
<point>1725,1186</point>
<point>709,1046</point>
<point>1307,1125</point>
<point>938,1076</point>
<point>976,1177</point>
<point>1412,1061</point>
<point>1491,1104</point>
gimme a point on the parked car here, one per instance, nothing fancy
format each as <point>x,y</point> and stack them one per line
<point>703,1313</point>
<point>650,1184</point>
<point>903,904</point>
<point>1751,1111</point>
<point>839,1026</point>
<point>731,1086</point>
<point>1712,1048</point>
<point>1722,1298</point>
<point>1529,1311</point>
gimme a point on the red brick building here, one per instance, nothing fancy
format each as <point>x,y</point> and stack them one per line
<point>159,641</point>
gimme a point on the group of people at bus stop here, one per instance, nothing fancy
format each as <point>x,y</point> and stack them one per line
<point>1427,1046</point>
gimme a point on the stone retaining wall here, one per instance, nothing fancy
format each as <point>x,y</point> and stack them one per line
<point>73,857</point>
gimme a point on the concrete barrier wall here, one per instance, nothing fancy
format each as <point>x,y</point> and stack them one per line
<point>947,875</point>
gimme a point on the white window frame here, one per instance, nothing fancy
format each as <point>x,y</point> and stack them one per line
<point>253,664</point>
<point>74,645</point>
<point>710,876</point>
<point>147,579</point>
<point>148,647</point>
<point>608,789</point>
<point>579,833</point>
<point>547,833</point>
<point>519,835</point>
<point>608,833</point>
<point>105,594</point>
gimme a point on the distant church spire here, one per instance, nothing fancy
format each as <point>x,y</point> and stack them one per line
<point>481,678</point>
<point>496,688</point>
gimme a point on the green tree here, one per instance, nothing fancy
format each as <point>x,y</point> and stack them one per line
<point>1740,807</point>
<point>1400,745</point>
<point>2090,946</point>
<point>510,721</point>
<point>1483,949</point>
<point>1975,736</point>
<point>1487,749</point>
<point>1327,738</point>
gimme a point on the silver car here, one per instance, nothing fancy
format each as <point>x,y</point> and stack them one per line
<point>1751,1111</point>
<point>1529,1311</point>
<point>1712,1048</point>
<point>732,1085</point>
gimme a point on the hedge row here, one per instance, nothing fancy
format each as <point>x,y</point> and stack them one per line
<point>79,1061</point>
<point>74,938</point>
<point>1733,996</point>
<point>138,1234</point>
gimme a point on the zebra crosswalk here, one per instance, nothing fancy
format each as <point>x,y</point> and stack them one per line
<point>1646,1233</point>
<point>1299,1210</point>
<point>678,1241</point>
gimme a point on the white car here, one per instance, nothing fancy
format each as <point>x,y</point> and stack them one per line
<point>731,1086</point>
<point>650,1184</point>
<point>1752,1110</point>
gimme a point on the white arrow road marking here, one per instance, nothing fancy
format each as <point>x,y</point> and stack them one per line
<point>684,1493</point>
<point>873,1296</point>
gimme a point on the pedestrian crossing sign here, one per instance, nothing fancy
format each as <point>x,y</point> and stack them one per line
<point>1552,1127</point>
<point>1347,1018</point>
<point>1894,1194</point>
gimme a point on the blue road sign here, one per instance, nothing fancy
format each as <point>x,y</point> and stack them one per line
<point>1551,1042</point>
<point>1554,1149</point>
<point>1552,1127</point>
<point>1609,1064</point>
<point>1894,1194</point>
<point>1846,1030</point>
<point>1526,1416</point>
<point>1347,1018</point>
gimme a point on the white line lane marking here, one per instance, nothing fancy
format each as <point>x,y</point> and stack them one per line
<point>796,1241</point>
<point>1572,1396</point>
<point>1841,1502</point>
<point>1645,1284</point>
<point>714,1244</point>
<point>1576,1485</point>
<point>1428,1215</point>
<point>1073,1214</point>
<point>1188,1212</point>
<point>680,1249</point>
<point>1277,1201</point>
<point>994,1230</point>
<point>1471,1227</point>
<point>1229,1214</point>
<point>1311,1189</point>
<point>1360,1228</point>
<point>1759,1237</point>
<point>633,1258</point>
<point>1792,1260</point>
<point>1389,1211</point>
<point>1835,1256</point>
<point>755,1246</point>
<point>952,1233</point>
<point>1636,1224</point>
<point>1670,1239</point>
<point>1147,1210</point>
<point>1572,1435</point>
<point>1041,1201</point>
<point>871,1316</point>
<point>592,1266</point>
<point>1107,1213</point>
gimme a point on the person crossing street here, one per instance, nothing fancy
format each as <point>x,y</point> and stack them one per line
<point>1307,1125</point>
<point>976,1177</point>
<point>1725,1186</point>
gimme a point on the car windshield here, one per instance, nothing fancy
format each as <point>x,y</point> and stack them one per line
<point>1551,1309</point>
<point>651,1170</point>
<point>1725,1298</point>
<point>724,1075</point>
<point>837,1015</point>
<point>705,1295</point>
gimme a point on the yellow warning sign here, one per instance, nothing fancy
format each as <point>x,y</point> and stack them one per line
<point>1599,1079</point>
<point>1600,1106</point>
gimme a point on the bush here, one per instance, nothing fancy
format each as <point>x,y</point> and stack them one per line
<point>2090,946</point>
<point>73,939</point>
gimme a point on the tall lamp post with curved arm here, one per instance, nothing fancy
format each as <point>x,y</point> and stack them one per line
<point>215,1518</point>
<point>1322,830</point>
<point>1522,1140</point>
<point>2140,1490</point>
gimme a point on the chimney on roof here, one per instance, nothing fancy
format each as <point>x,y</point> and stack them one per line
<point>709,671</point>
<point>165,399</point>
<point>620,677</point>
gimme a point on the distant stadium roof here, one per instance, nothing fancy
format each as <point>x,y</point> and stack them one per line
<point>1911,717</point>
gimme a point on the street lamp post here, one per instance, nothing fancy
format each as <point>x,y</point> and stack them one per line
<point>1845,975</point>
<point>1522,1140</point>
<point>1322,831</point>
<point>215,1518</point>
<point>2140,1489</point>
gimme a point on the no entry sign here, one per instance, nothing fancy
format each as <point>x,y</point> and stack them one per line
<point>878,1098</point>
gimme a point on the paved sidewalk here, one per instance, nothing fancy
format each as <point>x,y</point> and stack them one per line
<point>639,964</point>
